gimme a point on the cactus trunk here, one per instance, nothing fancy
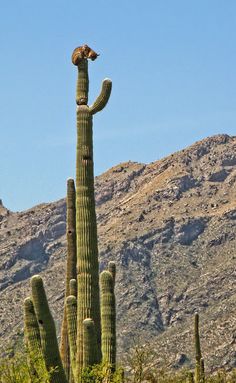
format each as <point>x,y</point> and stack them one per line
<point>70,270</point>
<point>87,249</point>
<point>197,349</point>
<point>86,225</point>
<point>47,330</point>
<point>108,317</point>
<point>71,311</point>
<point>202,370</point>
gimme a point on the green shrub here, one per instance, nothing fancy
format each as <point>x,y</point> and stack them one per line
<point>102,373</point>
<point>16,369</point>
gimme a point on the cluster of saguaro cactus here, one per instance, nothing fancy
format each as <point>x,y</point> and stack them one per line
<point>88,334</point>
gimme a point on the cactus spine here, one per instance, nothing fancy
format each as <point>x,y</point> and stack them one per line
<point>70,270</point>
<point>198,353</point>
<point>108,317</point>
<point>86,226</point>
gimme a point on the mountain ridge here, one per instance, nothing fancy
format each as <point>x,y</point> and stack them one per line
<point>170,226</point>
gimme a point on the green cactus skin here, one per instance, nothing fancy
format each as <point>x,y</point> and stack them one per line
<point>86,226</point>
<point>202,370</point>
<point>85,305</point>
<point>108,318</point>
<point>31,328</point>
<point>70,269</point>
<point>73,287</point>
<point>112,269</point>
<point>190,377</point>
<point>47,329</point>
<point>71,312</point>
<point>197,349</point>
<point>82,83</point>
<point>103,98</point>
<point>90,352</point>
<point>32,339</point>
<point>122,374</point>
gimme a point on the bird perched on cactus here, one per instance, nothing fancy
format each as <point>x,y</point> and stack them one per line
<point>86,225</point>
<point>81,331</point>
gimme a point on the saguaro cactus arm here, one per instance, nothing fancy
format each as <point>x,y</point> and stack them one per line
<point>71,312</point>
<point>108,318</point>
<point>90,352</point>
<point>73,287</point>
<point>31,326</point>
<point>103,97</point>
<point>112,269</point>
<point>47,329</point>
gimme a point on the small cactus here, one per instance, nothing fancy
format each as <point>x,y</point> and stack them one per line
<point>197,349</point>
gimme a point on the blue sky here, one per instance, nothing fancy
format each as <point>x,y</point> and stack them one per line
<point>173,66</point>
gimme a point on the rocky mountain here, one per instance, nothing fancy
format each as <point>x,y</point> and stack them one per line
<point>171,228</point>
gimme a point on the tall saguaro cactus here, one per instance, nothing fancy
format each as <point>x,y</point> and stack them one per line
<point>81,325</point>
<point>70,270</point>
<point>86,226</point>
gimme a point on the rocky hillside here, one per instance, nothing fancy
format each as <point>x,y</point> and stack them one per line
<point>171,228</point>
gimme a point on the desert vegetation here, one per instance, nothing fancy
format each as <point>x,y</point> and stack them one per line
<point>87,350</point>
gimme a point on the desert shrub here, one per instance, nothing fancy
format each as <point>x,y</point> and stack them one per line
<point>102,373</point>
<point>18,369</point>
<point>222,376</point>
<point>139,363</point>
<point>186,376</point>
<point>141,367</point>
